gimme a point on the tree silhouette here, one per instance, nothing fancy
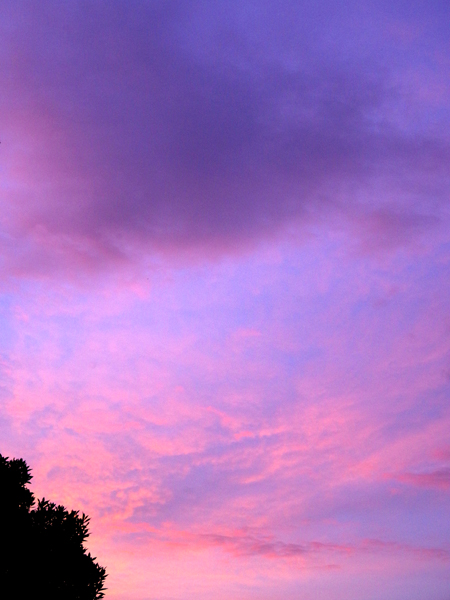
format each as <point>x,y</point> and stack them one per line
<point>42,549</point>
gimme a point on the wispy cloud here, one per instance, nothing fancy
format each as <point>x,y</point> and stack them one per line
<point>439,479</point>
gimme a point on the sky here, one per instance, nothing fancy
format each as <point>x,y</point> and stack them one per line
<point>225,289</point>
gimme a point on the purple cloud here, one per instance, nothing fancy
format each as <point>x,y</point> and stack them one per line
<point>176,126</point>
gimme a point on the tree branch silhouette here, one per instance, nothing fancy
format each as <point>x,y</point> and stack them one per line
<point>42,551</point>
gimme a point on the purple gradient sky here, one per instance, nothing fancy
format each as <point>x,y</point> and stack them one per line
<point>225,290</point>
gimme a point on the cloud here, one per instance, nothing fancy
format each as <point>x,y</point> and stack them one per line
<point>244,544</point>
<point>173,127</point>
<point>439,479</point>
<point>248,545</point>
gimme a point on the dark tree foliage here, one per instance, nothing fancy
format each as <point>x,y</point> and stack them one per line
<point>42,552</point>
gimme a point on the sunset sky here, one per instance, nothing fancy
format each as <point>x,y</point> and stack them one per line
<point>225,289</point>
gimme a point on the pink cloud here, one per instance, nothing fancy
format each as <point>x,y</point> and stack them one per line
<point>439,479</point>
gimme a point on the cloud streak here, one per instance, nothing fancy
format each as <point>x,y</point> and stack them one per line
<point>439,479</point>
<point>248,545</point>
